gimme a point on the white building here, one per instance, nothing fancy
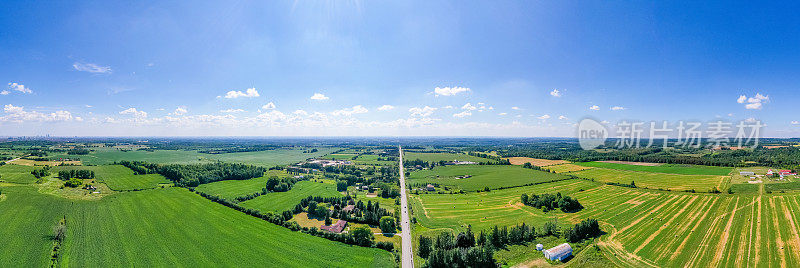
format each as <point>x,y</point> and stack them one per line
<point>747,173</point>
<point>559,252</point>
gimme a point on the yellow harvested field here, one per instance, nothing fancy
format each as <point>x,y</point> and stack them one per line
<point>26,162</point>
<point>535,161</point>
<point>564,168</point>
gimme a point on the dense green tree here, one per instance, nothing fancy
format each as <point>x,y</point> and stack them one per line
<point>387,224</point>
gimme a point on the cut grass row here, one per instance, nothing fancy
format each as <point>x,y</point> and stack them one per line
<point>675,182</point>
<point>491,176</point>
<point>664,168</point>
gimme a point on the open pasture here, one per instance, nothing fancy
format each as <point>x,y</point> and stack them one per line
<point>121,178</point>
<point>491,176</point>
<point>286,200</point>
<point>675,182</point>
<point>263,158</point>
<point>17,174</point>
<point>565,168</point>
<point>663,168</point>
<point>646,228</point>
<point>230,189</point>
<point>436,157</point>
<point>535,161</point>
<point>269,157</point>
<point>139,229</point>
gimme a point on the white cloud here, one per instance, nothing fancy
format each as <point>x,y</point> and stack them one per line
<point>268,106</point>
<point>91,67</point>
<point>385,107</point>
<point>180,111</point>
<point>5,92</point>
<point>468,107</point>
<point>19,115</point>
<point>617,108</point>
<point>543,117</point>
<point>231,111</point>
<point>795,123</point>
<point>555,93</point>
<point>88,106</point>
<point>18,87</point>
<point>462,114</point>
<point>515,108</point>
<point>502,114</point>
<point>750,120</point>
<point>134,112</point>
<point>249,93</point>
<point>594,107</point>
<point>753,103</point>
<point>319,96</point>
<point>423,112</point>
<point>561,117</point>
<point>358,109</point>
<point>449,91</point>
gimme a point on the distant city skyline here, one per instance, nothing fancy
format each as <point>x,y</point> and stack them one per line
<point>411,68</point>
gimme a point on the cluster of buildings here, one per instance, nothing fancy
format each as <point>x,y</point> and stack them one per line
<point>330,162</point>
<point>756,178</point>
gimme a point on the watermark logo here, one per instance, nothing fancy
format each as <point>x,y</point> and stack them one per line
<point>591,134</point>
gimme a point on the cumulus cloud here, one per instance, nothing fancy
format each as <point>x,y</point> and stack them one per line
<point>617,108</point>
<point>462,114</point>
<point>249,93</point>
<point>358,109</point>
<point>594,107</point>
<point>5,92</point>
<point>423,112</point>
<point>230,111</point>
<point>134,112</point>
<point>515,108</point>
<point>502,114</point>
<point>795,123</point>
<point>449,91</point>
<point>561,117</point>
<point>92,68</point>
<point>468,107</point>
<point>17,87</point>
<point>179,111</point>
<point>448,107</point>
<point>268,106</point>
<point>319,96</point>
<point>18,114</point>
<point>543,117</point>
<point>385,107</point>
<point>753,103</point>
<point>555,93</point>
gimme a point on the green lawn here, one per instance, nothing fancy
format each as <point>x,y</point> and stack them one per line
<point>120,178</point>
<point>287,200</point>
<point>492,176</point>
<point>161,227</point>
<point>230,189</point>
<point>436,157</point>
<point>17,174</point>
<point>663,168</point>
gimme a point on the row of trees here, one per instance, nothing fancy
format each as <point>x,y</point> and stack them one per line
<point>41,172</point>
<point>548,202</point>
<point>460,251</point>
<point>196,174</point>
<point>76,173</point>
<point>586,229</point>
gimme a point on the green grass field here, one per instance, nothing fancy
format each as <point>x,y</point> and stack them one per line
<point>230,189</point>
<point>675,182</point>
<point>17,174</point>
<point>104,156</point>
<point>663,168</point>
<point>436,157</point>
<point>120,178</point>
<point>492,176</point>
<point>161,227</point>
<point>287,200</point>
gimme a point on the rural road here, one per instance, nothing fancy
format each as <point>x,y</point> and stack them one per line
<point>405,222</point>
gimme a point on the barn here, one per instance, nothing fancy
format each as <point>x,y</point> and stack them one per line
<point>559,252</point>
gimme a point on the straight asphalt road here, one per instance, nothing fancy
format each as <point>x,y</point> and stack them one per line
<point>405,222</point>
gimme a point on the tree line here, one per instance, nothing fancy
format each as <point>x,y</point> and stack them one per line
<point>548,202</point>
<point>195,174</point>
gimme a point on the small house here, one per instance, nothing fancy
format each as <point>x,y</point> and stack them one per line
<point>558,253</point>
<point>337,227</point>
<point>349,208</point>
<point>431,188</point>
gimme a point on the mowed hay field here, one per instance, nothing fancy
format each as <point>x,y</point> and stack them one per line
<point>230,189</point>
<point>139,229</point>
<point>282,201</point>
<point>675,182</point>
<point>535,161</point>
<point>17,174</point>
<point>104,156</point>
<point>436,157</point>
<point>663,168</point>
<point>646,228</point>
<point>492,176</point>
<point>564,168</point>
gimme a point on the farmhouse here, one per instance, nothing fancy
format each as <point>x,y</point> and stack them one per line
<point>337,227</point>
<point>559,252</point>
<point>349,208</point>
<point>787,173</point>
<point>770,173</point>
<point>431,188</point>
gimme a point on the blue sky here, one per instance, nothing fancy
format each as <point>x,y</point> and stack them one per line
<point>503,68</point>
